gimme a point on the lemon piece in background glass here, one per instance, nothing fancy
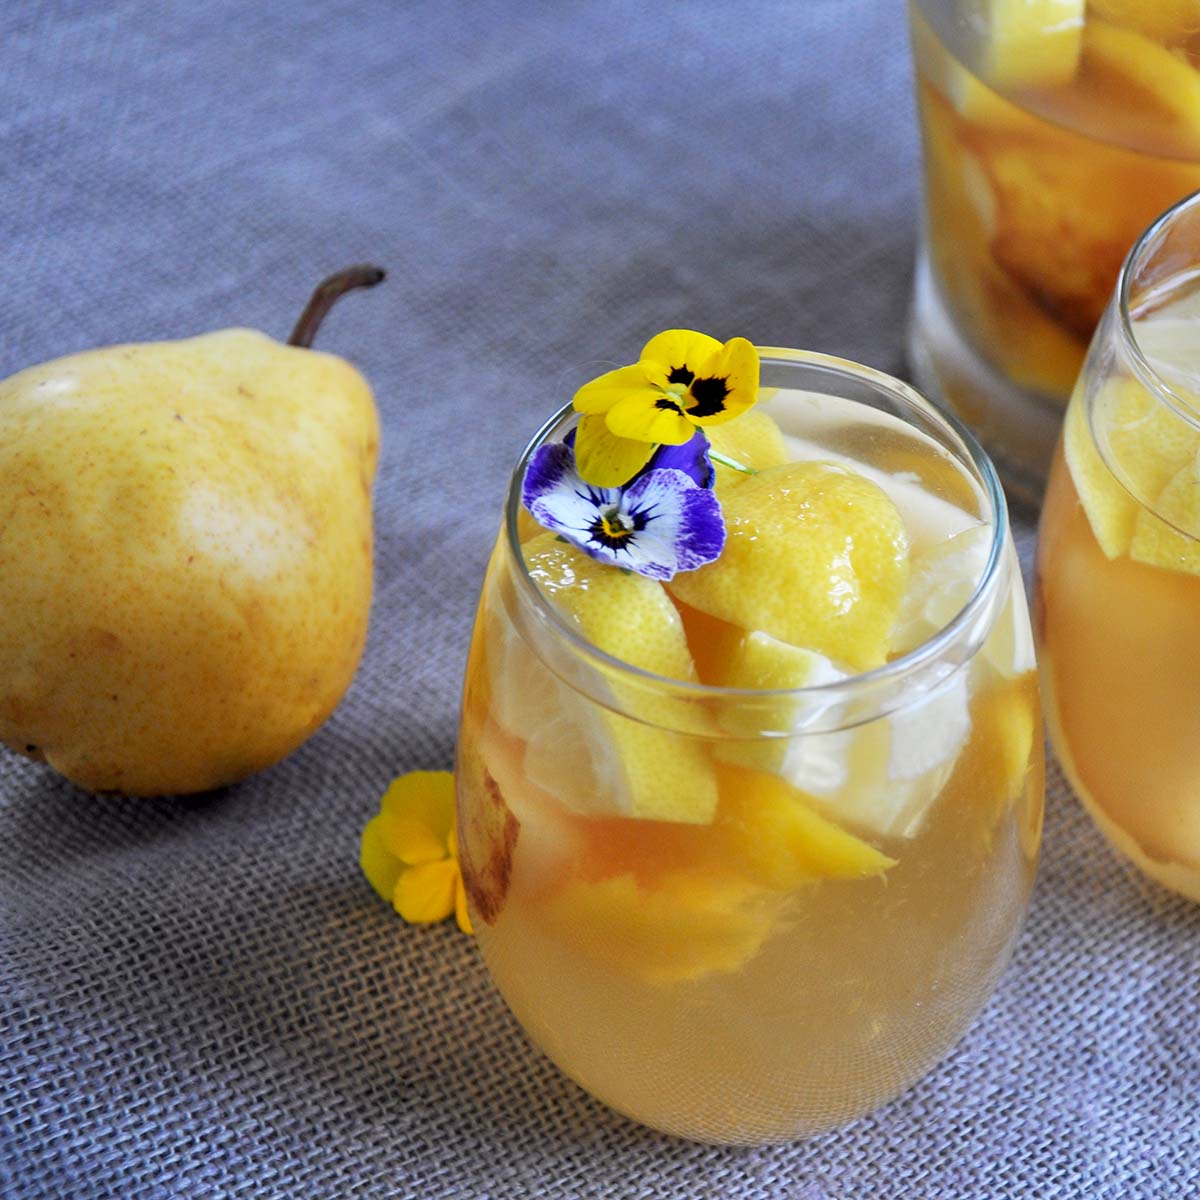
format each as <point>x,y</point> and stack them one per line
<point>1147,445</point>
<point>1147,86</point>
<point>1030,43</point>
<point>1162,20</point>
<point>1111,510</point>
<point>1172,538</point>
<point>815,555</point>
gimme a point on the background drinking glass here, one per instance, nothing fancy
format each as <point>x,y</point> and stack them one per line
<point>685,973</point>
<point>1054,131</point>
<point>1119,563</point>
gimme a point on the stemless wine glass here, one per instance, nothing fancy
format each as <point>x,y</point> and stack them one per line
<point>1119,563</point>
<point>1054,131</point>
<point>807,949</point>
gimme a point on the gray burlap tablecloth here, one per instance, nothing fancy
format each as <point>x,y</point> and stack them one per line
<point>202,997</point>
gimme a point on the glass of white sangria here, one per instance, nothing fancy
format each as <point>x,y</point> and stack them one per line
<point>1054,131</point>
<point>1119,563</point>
<point>750,769</point>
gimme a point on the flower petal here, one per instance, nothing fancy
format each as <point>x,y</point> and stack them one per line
<point>604,459</point>
<point>674,356</point>
<point>683,528</point>
<point>551,471</point>
<point>410,841</point>
<point>601,394</point>
<point>562,502</point>
<point>691,458</point>
<point>379,865</point>
<point>424,798</point>
<point>650,417</point>
<point>426,893</point>
<point>725,386</point>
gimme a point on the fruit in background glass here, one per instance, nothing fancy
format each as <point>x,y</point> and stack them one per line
<point>1119,560</point>
<point>185,555</point>
<point>1053,132</point>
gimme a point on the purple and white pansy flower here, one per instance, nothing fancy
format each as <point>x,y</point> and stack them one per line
<point>664,520</point>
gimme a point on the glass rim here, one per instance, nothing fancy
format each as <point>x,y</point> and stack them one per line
<point>1146,372</point>
<point>891,672</point>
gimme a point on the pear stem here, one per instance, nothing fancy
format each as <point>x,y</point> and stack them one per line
<point>328,292</point>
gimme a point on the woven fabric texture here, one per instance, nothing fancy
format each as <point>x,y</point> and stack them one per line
<point>202,997</point>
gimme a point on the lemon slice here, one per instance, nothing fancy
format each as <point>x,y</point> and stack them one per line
<point>1162,20</point>
<point>967,95</point>
<point>592,758</point>
<point>688,920</point>
<point>1111,510</point>
<point>1170,535</point>
<point>943,579</point>
<point>689,925</point>
<point>758,662</point>
<point>781,840</point>
<point>1152,87</point>
<point>881,777</point>
<point>1002,762</point>
<point>1008,720</point>
<point>1030,43</point>
<point>815,555</point>
<point>1148,445</point>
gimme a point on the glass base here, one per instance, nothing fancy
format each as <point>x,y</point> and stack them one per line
<point>1017,427</point>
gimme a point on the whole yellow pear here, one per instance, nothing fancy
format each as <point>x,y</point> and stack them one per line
<point>185,555</point>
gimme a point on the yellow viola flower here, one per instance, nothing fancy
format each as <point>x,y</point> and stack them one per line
<point>409,851</point>
<point>683,380</point>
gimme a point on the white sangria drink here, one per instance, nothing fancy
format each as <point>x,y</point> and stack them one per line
<point>1054,131</point>
<point>750,766</point>
<point>1119,564</point>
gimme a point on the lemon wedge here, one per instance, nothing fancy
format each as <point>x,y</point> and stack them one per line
<point>1151,87</point>
<point>593,758</point>
<point>944,577</point>
<point>659,917</point>
<point>1030,43</point>
<point>1170,535</point>
<point>1162,20</point>
<point>780,839</point>
<point>1148,445</point>
<point>880,777</point>
<point>1111,510</point>
<point>527,527</point>
<point>815,555</point>
<point>689,925</point>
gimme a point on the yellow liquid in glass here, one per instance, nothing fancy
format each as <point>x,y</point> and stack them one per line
<point>667,967</point>
<point>1120,653</point>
